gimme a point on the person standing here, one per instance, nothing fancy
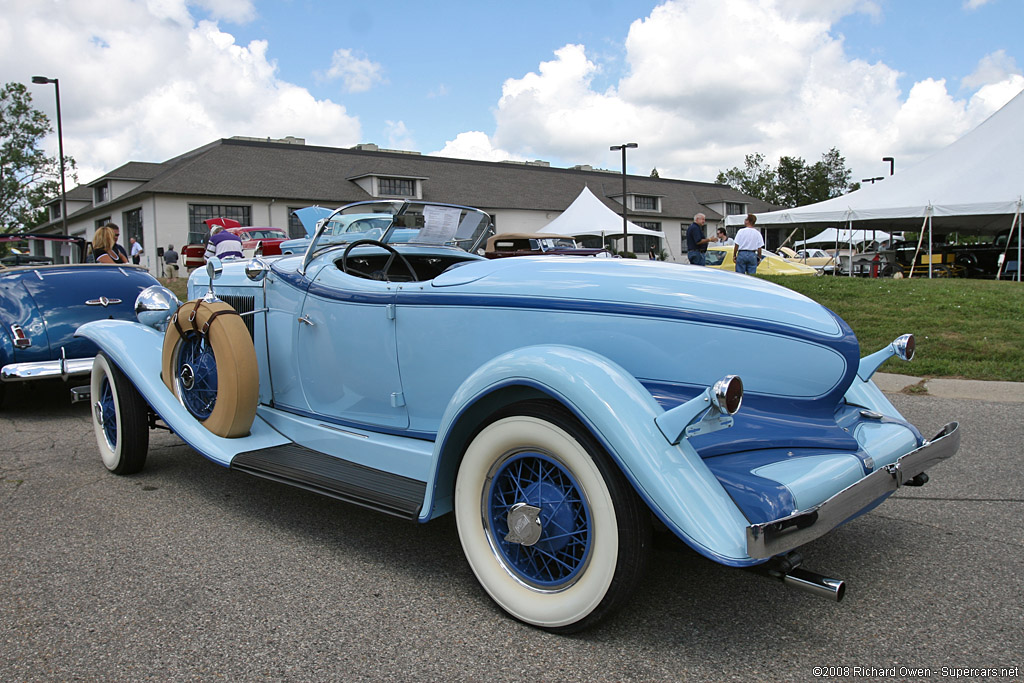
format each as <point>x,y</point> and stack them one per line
<point>117,247</point>
<point>136,250</point>
<point>171,263</point>
<point>724,239</point>
<point>696,243</point>
<point>105,248</point>
<point>749,243</point>
<point>223,244</point>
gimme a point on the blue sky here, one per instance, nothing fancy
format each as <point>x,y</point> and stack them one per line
<point>697,83</point>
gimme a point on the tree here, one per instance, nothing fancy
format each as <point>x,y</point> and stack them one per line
<point>654,172</point>
<point>28,177</point>
<point>756,178</point>
<point>792,182</point>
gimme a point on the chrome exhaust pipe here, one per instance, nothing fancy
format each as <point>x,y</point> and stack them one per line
<point>787,570</point>
<point>833,589</point>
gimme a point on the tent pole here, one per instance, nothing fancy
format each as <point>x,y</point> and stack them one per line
<point>920,238</point>
<point>849,227</point>
<point>929,242</point>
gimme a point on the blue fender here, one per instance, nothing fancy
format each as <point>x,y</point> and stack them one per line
<point>136,350</point>
<point>671,479</point>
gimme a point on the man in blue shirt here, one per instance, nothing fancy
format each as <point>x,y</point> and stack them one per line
<point>696,242</point>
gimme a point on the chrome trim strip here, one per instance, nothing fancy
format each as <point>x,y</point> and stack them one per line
<point>782,535</point>
<point>21,372</point>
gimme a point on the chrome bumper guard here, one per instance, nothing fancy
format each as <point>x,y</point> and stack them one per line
<point>782,535</point>
<point>46,369</point>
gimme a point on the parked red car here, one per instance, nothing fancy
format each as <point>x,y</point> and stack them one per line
<point>269,239</point>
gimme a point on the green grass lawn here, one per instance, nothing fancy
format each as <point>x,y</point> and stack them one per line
<point>964,328</point>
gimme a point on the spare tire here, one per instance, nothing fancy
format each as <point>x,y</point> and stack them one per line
<point>209,364</point>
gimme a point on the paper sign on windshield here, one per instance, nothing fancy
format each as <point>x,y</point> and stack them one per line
<point>439,224</point>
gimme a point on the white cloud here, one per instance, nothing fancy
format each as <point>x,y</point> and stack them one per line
<point>357,73</point>
<point>145,81</point>
<point>975,4</point>
<point>710,81</point>
<point>399,136</point>
<point>475,145</point>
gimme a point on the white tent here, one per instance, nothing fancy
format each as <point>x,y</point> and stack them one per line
<point>974,184</point>
<point>587,215</point>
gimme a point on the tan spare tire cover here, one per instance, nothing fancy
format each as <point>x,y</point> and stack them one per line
<point>238,382</point>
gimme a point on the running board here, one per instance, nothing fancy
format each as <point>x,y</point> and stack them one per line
<point>314,471</point>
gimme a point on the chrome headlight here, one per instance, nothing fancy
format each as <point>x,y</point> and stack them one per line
<point>155,305</point>
<point>256,269</point>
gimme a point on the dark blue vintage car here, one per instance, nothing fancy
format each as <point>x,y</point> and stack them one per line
<point>41,306</point>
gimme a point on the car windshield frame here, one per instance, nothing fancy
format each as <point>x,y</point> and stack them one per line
<point>412,222</point>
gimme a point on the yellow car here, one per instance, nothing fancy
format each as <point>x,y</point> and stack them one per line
<point>771,263</point>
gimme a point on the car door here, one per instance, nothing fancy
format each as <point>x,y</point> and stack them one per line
<point>346,351</point>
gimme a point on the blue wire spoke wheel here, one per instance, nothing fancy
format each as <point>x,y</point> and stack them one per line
<point>120,418</point>
<point>108,415</point>
<point>196,375</point>
<point>550,527</point>
<point>549,544</point>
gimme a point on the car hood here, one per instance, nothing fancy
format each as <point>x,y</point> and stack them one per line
<point>653,285</point>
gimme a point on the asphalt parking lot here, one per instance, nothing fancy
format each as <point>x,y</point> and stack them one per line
<point>190,572</point>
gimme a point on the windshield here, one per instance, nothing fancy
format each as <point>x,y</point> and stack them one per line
<point>404,222</point>
<point>264,233</point>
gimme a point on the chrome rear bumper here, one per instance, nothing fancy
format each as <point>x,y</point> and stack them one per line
<point>782,535</point>
<point>46,369</point>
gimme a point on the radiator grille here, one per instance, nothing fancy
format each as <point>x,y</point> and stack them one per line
<point>242,304</point>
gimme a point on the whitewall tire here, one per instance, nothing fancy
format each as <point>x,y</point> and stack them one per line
<point>549,525</point>
<point>120,418</point>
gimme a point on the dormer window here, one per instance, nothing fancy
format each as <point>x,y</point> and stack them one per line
<point>735,208</point>
<point>397,187</point>
<point>646,202</point>
<point>55,211</point>
<point>101,193</point>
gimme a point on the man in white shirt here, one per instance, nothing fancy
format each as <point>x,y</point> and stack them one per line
<point>749,243</point>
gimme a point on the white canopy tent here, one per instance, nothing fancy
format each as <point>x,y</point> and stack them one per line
<point>835,235</point>
<point>587,215</point>
<point>976,184</point>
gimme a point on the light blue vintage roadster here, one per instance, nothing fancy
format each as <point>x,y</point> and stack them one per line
<point>561,407</point>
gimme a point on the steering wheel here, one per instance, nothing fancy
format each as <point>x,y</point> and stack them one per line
<point>381,274</point>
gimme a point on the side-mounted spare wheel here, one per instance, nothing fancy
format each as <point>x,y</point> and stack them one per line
<point>551,528</point>
<point>209,363</point>
<point>120,418</point>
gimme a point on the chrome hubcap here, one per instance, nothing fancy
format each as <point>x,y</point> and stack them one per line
<point>524,525</point>
<point>187,377</point>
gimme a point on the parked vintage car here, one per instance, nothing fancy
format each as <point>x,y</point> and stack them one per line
<point>507,244</point>
<point>720,257</point>
<point>819,259</point>
<point>42,304</point>
<point>266,240</point>
<point>559,408</point>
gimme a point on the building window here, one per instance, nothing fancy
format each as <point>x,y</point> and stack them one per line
<point>101,193</point>
<point>649,225</point>
<point>734,208</point>
<point>100,222</point>
<point>295,227</point>
<point>132,225</point>
<point>55,210</point>
<point>197,213</point>
<point>645,244</point>
<point>645,202</point>
<point>398,187</point>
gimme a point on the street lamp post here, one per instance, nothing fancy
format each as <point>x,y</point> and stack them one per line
<point>892,164</point>
<point>872,180</point>
<point>41,80</point>
<point>625,231</point>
